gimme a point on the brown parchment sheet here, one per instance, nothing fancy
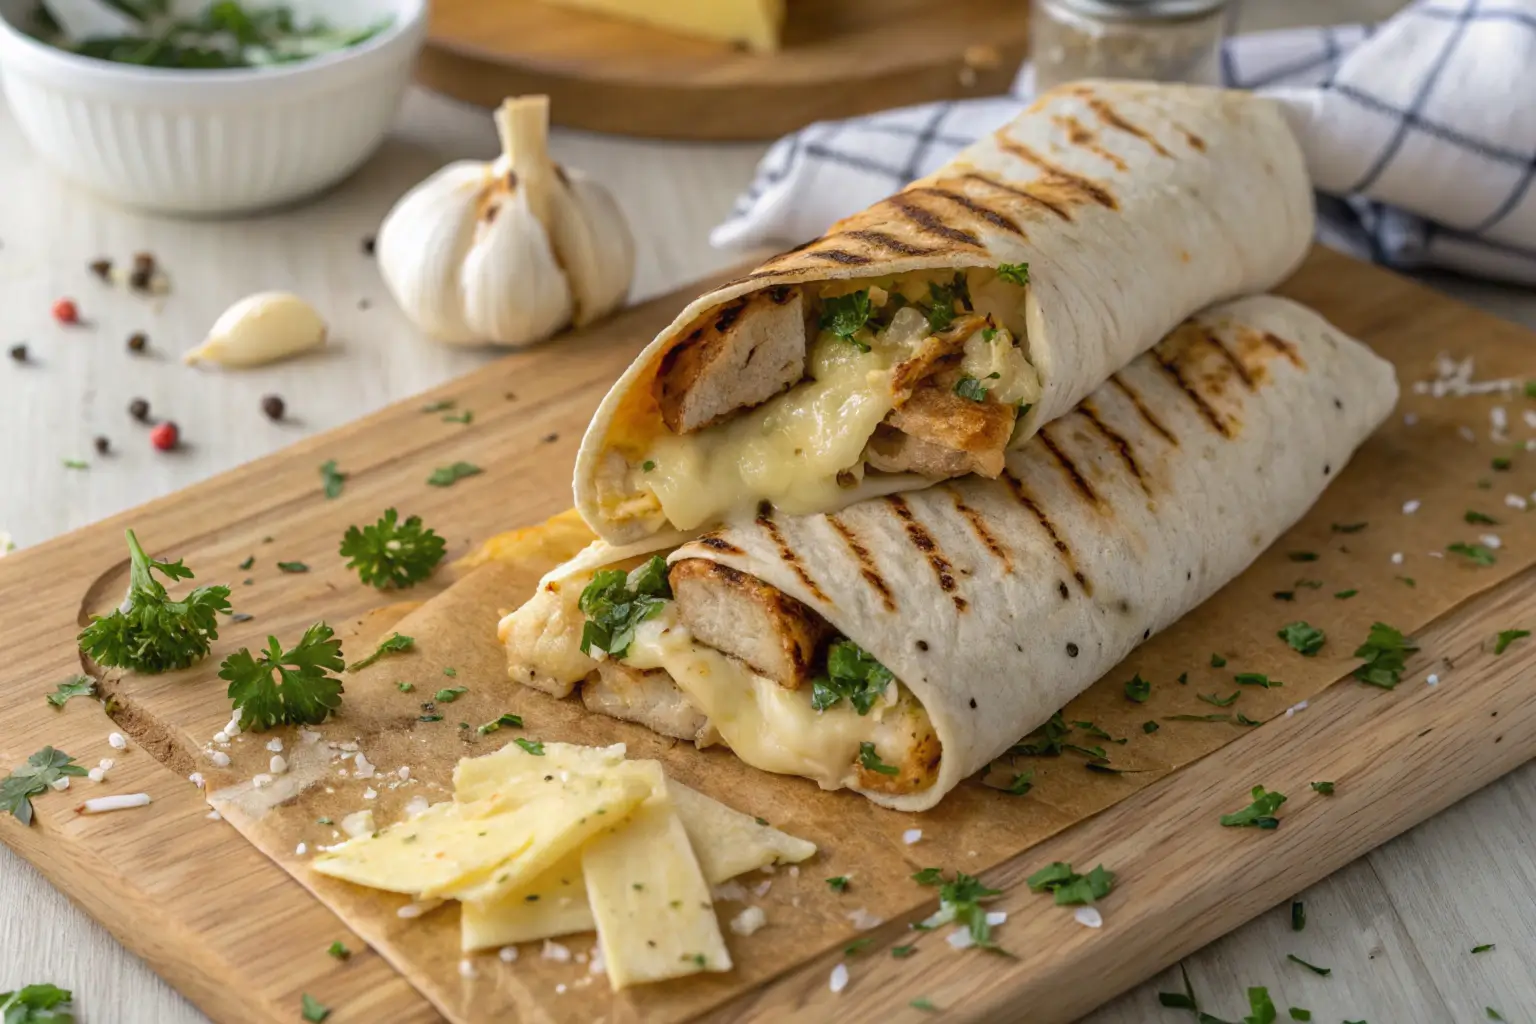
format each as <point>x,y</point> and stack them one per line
<point>1438,452</point>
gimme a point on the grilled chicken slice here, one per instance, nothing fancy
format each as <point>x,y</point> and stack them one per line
<point>906,741</point>
<point>937,353</point>
<point>540,653</point>
<point>648,698</point>
<point>943,435</point>
<point>740,615</point>
<point>749,351</point>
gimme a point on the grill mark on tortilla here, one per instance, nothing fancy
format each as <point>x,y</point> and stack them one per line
<point>787,553</point>
<point>978,526</point>
<point>1016,486</point>
<point>881,240</point>
<point>1020,193</point>
<point>1080,135</point>
<point>1283,347</point>
<point>986,213</point>
<point>1078,480</point>
<point>866,562</point>
<point>842,256</point>
<point>929,222</point>
<point>715,542</point>
<point>1121,445</point>
<point>1091,189</point>
<point>1109,116</point>
<point>1195,141</point>
<point>1231,357</point>
<point>1209,413</point>
<point>920,538</point>
<point>1141,407</point>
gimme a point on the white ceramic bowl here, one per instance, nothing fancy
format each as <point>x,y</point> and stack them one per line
<point>213,141</point>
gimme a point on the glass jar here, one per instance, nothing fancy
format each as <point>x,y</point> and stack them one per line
<point>1156,40</point>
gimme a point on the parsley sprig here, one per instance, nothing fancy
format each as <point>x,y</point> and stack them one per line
<point>960,901</point>
<point>616,603</point>
<point>37,1004</point>
<point>1014,273</point>
<point>845,315</point>
<point>1068,886</point>
<point>1385,652</point>
<point>852,672</point>
<point>1303,637</point>
<point>391,553</point>
<point>303,693</point>
<point>149,632</point>
<point>83,686</point>
<point>41,771</point>
<point>1259,814</point>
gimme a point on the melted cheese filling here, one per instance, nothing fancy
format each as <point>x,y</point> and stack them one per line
<point>803,450</point>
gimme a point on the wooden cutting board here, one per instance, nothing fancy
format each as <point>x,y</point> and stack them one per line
<point>243,940</point>
<point>840,58</point>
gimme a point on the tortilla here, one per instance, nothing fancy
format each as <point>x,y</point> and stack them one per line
<point>1132,205</point>
<point>994,603</point>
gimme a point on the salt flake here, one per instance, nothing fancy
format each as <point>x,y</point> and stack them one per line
<point>911,835</point>
<point>839,979</point>
<point>1089,917</point>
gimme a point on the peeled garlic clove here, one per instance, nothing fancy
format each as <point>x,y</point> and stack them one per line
<point>260,329</point>
<point>593,243</point>
<point>513,291</point>
<point>422,244</point>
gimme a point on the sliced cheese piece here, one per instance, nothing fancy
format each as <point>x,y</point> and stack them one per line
<point>425,853</point>
<point>552,905</point>
<point>545,830</point>
<point>514,774</point>
<point>755,23</point>
<point>649,898</point>
<point>729,843</point>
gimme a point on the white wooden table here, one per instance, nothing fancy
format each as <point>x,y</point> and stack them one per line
<point>1396,927</point>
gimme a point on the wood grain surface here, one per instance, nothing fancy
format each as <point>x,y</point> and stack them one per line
<point>180,889</point>
<point>839,59</point>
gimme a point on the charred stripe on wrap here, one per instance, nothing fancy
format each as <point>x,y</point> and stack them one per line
<point>986,213</point>
<point>1195,141</point>
<point>978,524</point>
<point>867,567</point>
<point>843,256</point>
<point>1024,498</point>
<point>1141,407</point>
<point>787,553</point>
<point>881,240</point>
<point>929,221</point>
<point>1093,190</point>
<point>1107,114</point>
<point>715,542</point>
<point>1171,368</point>
<point>924,542</point>
<point>1073,473</point>
<point>1020,193</point>
<point>1233,361</point>
<point>1121,445</point>
<point>1283,347</point>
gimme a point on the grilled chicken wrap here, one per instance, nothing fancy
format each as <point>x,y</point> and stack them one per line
<point>902,643</point>
<point>926,336</point>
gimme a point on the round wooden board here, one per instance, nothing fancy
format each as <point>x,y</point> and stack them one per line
<point>840,58</point>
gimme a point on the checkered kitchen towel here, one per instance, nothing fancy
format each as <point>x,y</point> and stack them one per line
<point>1420,135</point>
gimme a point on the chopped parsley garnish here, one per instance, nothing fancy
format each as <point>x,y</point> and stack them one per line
<point>946,302</point>
<point>450,671</point>
<point>1303,638</point>
<point>149,632</point>
<point>332,478</point>
<point>1479,519</point>
<point>447,476</point>
<point>1198,718</point>
<point>389,645</point>
<point>648,465</point>
<point>1478,554</point>
<point>391,553</point>
<point>871,760</point>
<point>1138,689</point>
<point>845,315</point>
<point>37,1004</point>
<point>1220,702</point>
<point>449,694</point>
<point>429,718</point>
<point>1044,741</point>
<point>1014,273</point>
<point>405,687</point>
<point>1068,886</point>
<point>250,560</point>
<point>505,721</point>
<point>973,389</point>
<point>1501,642</point>
<point>339,951</point>
<point>1302,556</point>
<point>534,747</point>
<point>1298,915</point>
<point>442,406</point>
<point>1345,595</point>
<point>902,952</point>
<point>74,686</point>
<point>1385,652</point>
<point>1407,581</point>
<point>1243,719</point>
<point>1022,783</point>
<point>292,567</point>
<point>1322,972</point>
<point>1261,1007</point>
<point>1093,730</point>
<point>1284,595</point>
<point>616,603</point>
<point>1492,1013</point>
<point>1217,661</point>
<point>928,876</point>
<point>302,694</point>
<point>1349,527</point>
<point>1309,584</point>
<point>1256,679</point>
<point>1485,947</point>
<point>922,1002</point>
<point>1325,788</point>
<point>853,673</point>
<point>467,416</point>
<point>857,946</point>
<point>1259,814</point>
<point>1181,1000</point>
<point>960,901</point>
<point>1184,678</point>
<point>34,778</point>
<point>1149,727</point>
<point>989,334</point>
<point>1501,463</point>
<point>313,1010</point>
<point>838,883</point>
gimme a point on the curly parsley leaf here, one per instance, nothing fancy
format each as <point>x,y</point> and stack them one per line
<point>616,603</point>
<point>76,686</point>
<point>332,479</point>
<point>1504,639</point>
<point>34,778</point>
<point>302,692</point>
<point>869,759</point>
<point>149,632</point>
<point>391,553</point>
<point>845,315</point>
<point>1068,886</point>
<point>1259,814</point>
<point>37,1004</point>
<point>1477,518</point>
<point>1022,783</point>
<point>852,673</point>
<point>973,389</point>
<point>338,950</point>
<point>928,876</point>
<point>447,476</point>
<point>1477,554</point>
<point>1014,273</point>
<point>1385,652</point>
<point>1303,638</point>
<point>391,644</point>
<point>1138,689</point>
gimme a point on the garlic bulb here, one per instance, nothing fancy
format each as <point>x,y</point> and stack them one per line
<point>507,252</point>
<point>259,329</point>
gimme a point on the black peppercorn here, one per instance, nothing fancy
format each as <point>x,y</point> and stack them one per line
<point>103,445</point>
<point>138,341</point>
<point>102,268</point>
<point>368,245</point>
<point>19,352</point>
<point>139,410</point>
<point>273,406</point>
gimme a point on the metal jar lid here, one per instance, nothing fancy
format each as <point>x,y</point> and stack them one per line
<point>1143,10</point>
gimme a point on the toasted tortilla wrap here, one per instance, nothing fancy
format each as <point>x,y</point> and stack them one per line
<point>925,337</point>
<point>899,645</point>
